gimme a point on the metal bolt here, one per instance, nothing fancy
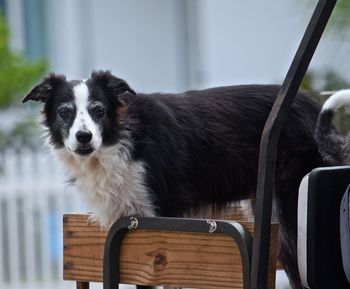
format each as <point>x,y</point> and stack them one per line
<point>134,223</point>
<point>212,226</point>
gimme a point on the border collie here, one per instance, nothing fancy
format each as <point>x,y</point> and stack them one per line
<point>165,154</point>
<point>334,147</point>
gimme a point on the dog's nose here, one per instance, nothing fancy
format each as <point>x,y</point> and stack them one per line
<point>83,136</point>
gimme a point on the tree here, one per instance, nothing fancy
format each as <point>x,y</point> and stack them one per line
<point>329,80</point>
<point>340,19</point>
<point>339,22</point>
<point>17,73</point>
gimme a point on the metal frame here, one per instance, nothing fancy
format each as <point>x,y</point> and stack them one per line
<point>270,138</point>
<point>118,230</point>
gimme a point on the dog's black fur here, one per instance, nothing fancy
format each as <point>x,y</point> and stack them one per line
<point>201,147</point>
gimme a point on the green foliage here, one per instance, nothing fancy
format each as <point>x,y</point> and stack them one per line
<point>340,19</point>
<point>341,15</point>
<point>328,81</point>
<point>17,73</point>
<point>339,26</point>
<point>333,81</point>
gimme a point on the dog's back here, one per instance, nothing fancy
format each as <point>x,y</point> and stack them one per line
<point>206,143</point>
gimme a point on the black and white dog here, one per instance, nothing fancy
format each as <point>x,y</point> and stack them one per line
<point>334,147</point>
<point>172,154</point>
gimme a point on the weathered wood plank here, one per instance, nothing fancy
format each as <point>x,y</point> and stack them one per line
<point>196,260</point>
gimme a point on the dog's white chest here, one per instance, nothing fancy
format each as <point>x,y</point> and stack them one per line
<point>112,187</point>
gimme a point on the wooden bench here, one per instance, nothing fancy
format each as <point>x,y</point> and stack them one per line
<point>161,257</point>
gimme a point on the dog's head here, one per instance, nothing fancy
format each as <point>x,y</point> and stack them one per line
<point>81,116</point>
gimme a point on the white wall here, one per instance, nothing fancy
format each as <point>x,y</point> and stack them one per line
<point>255,41</point>
<point>172,45</point>
<point>137,40</point>
<point>249,42</point>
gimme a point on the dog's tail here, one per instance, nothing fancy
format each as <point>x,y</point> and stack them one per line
<point>330,142</point>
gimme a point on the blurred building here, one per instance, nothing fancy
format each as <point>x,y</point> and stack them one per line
<point>171,45</point>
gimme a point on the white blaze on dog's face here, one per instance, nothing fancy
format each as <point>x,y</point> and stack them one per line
<point>85,135</point>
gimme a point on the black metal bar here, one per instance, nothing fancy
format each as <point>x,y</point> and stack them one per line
<point>117,232</point>
<point>112,253</point>
<point>270,138</point>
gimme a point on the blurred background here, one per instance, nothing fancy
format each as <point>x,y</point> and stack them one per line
<point>156,45</point>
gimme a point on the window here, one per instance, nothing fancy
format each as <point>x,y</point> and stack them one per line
<point>34,13</point>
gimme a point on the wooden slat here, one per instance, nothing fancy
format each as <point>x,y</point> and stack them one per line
<point>196,260</point>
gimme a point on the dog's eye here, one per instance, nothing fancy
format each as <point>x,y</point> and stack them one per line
<point>64,113</point>
<point>98,111</point>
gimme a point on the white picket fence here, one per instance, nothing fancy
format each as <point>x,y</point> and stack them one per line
<point>33,197</point>
<point>34,194</point>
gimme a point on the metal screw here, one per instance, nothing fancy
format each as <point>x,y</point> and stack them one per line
<point>212,226</point>
<point>134,223</point>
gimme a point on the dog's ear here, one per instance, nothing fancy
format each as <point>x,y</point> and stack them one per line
<point>107,80</point>
<point>44,90</point>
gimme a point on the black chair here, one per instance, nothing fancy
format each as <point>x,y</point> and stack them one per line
<point>319,250</point>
